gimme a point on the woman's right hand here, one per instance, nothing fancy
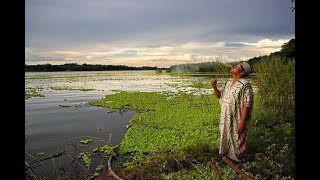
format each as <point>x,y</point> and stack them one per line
<point>213,83</point>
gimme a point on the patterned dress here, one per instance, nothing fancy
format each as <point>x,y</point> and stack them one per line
<point>233,99</point>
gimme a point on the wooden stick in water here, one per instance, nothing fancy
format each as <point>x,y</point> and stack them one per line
<point>110,170</point>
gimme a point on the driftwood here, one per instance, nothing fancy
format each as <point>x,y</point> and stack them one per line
<point>53,156</point>
<point>35,159</point>
<point>30,170</point>
<point>234,167</point>
<point>216,170</point>
<point>111,172</point>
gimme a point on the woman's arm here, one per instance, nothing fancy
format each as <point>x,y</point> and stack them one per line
<point>244,116</point>
<point>216,91</point>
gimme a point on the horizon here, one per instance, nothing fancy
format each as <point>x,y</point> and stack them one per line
<point>154,33</point>
<point>127,65</point>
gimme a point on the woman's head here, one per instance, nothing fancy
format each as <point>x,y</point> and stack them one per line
<point>244,69</point>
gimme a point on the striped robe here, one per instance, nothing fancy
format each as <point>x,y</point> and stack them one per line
<point>233,99</point>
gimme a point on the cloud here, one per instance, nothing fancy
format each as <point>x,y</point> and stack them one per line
<point>267,43</point>
<point>162,56</point>
<point>140,31</point>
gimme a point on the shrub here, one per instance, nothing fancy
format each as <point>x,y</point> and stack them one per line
<point>275,79</point>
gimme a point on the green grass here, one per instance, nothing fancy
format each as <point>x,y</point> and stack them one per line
<point>175,135</point>
<point>201,85</point>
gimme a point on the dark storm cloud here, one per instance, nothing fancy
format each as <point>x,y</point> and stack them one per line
<point>84,21</point>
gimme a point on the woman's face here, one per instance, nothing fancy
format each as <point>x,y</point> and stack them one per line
<point>237,69</point>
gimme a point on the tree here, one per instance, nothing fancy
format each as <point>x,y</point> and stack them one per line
<point>288,48</point>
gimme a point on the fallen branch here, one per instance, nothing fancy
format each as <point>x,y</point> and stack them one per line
<point>30,169</point>
<point>78,163</point>
<point>195,167</point>
<point>111,172</point>
<point>177,161</point>
<point>59,165</point>
<point>53,156</point>
<point>234,167</point>
<point>35,159</point>
<point>215,170</point>
<point>54,167</point>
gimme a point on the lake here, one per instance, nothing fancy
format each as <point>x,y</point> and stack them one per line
<point>58,116</point>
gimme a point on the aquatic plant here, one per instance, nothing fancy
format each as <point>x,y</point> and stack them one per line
<point>163,140</point>
<point>40,154</point>
<point>64,105</point>
<point>85,141</point>
<point>72,89</point>
<point>33,92</point>
<point>85,156</point>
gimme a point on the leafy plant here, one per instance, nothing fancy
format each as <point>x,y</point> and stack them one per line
<point>40,154</point>
<point>85,156</point>
<point>99,168</point>
<point>64,105</point>
<point>108,150</point>
<point>85,141</point>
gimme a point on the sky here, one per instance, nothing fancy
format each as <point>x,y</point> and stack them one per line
<point>158,33</point>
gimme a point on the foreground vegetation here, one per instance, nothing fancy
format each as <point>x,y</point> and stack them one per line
<point>276,82</point>
<point>176,135</point>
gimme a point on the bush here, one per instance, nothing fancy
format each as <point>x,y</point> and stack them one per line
<point>275,79</point>
<point>158,70</point>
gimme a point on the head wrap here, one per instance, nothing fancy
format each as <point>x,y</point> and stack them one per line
<point>247,68</point>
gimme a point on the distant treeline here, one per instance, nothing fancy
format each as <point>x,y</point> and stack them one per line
<point>83,67</point>
<point>287,52</point>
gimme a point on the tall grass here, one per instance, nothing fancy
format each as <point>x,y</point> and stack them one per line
<point>275,79</point>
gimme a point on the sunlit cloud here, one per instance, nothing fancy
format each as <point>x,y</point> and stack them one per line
<point>267,43</point>
<point>163,56</point>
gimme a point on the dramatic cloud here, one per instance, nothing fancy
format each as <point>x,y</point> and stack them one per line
<point>152,32</point>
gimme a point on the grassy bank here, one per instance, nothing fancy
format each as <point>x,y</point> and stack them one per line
<point>176,135</point>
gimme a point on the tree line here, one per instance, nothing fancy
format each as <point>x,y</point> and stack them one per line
<point>83,67</point>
